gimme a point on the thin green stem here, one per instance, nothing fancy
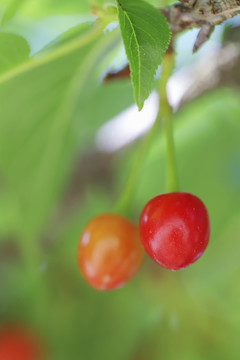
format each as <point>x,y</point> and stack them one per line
<point>164,117</point>
<point>123,206</point>
<point>165,114</point>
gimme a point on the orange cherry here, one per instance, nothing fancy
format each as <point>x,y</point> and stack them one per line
<point>109,251</point>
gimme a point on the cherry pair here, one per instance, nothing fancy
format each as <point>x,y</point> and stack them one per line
<point>174,231</point>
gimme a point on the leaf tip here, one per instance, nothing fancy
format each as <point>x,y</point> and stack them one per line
<point>140,103</point>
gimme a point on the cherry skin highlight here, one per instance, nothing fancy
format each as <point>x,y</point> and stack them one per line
<point>17,343</point>
<point>109,251</point>
<point>174,229</point>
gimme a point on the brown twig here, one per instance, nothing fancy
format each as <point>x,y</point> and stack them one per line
<point>203,14</point>
<point>124,73</point>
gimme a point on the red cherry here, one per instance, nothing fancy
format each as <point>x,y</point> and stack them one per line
<point>109,251</point>
<point>17,343</point>
<point>174,229</point>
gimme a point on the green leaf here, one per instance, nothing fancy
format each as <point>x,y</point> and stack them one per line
<point>146,35</point>
<point>14,51</point>
<point>12,7</point>
<point>41,107</point>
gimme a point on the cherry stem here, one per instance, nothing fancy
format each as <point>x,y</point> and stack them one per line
<point>123,206</point>
<point>165,115</point>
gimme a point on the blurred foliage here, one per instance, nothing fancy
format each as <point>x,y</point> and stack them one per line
<point>51,106</point>
<point>52,7</point>
<point>15,51</point>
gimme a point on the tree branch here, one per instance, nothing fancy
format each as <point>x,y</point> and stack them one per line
<point>200,13</point>
<point>220,69</point>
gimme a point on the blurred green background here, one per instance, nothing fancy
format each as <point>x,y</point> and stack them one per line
<point>54,178</point>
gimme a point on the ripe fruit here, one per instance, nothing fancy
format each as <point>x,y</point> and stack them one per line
<point>174,229</point>
<point>109,251</point>
<point>17,343</point>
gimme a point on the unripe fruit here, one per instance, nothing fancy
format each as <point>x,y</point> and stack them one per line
<point>109,251</point>
<point>174,229</point>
